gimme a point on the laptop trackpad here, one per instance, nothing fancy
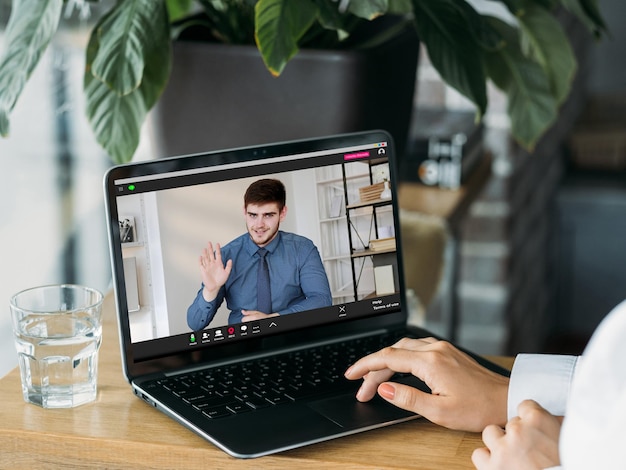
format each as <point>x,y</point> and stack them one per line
<point>348,412</point>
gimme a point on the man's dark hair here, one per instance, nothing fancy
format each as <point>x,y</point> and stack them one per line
<point>265,191</point>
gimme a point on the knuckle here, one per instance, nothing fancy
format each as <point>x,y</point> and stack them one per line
<point>439,351</point>
<point>528,409</point>
<point>443,346</point>
<point>387,351</point>
<point>489,429</point>
<point>443,353</point>
<point>514,426</point>
<point>403,342</point>
<point>533,415</point>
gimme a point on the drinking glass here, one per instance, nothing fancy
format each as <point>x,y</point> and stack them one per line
<point>58,332</point>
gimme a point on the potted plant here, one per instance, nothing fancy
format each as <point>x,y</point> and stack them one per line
<point>324,89</point>
<point>128,58</point>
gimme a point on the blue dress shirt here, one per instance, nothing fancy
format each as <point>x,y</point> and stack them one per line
<point>297,278</point>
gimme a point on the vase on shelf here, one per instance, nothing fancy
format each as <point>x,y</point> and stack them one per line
<point>386,192</point>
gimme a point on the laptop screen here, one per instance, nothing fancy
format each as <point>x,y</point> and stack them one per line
<point>331,247</point>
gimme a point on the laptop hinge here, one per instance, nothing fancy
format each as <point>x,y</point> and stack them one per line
<point>274,352</point>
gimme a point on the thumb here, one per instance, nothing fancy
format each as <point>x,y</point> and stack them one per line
<point>408,398</point>
<point>228,267</point>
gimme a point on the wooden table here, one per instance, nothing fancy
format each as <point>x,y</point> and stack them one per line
<point>119,431</point>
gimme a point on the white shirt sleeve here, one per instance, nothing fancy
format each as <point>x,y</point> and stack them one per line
<point>594,430</point>
<point>545,378</point>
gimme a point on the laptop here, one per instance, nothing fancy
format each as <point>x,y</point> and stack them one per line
<point>273,383</point>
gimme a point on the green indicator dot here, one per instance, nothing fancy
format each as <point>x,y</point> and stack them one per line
<point>131,187</point>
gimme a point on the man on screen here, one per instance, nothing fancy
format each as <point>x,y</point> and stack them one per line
<point>265,272</point>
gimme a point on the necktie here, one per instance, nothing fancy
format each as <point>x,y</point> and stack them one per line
<point>264,296</point>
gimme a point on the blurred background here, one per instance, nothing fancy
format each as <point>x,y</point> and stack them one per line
<point>543,249</point>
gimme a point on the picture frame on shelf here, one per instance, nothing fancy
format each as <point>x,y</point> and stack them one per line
<point>127,229</point>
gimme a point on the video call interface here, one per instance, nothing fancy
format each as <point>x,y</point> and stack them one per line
<point>167,220</point>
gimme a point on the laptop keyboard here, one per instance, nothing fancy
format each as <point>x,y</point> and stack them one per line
<point>248,386</point>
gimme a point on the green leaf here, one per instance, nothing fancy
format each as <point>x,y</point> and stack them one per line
<point>178,9</point>
<point>531,103</point>
<point>449,36</point>
<point>368,9</point>
<point>158,64</point>
<point>550,47</point>
<point>547,4</point>
<point>230,22</point>
<point>588,13</point>
<point>116,119</point>
<point>329,16</point>
<point>29,31</point>
<point>384,35</point>
<point>400,7</point>
<point>514,6</point>
<point>124,37</point>
<point>279,26</point>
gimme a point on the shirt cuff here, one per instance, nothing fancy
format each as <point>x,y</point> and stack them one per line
<point>544,378</point>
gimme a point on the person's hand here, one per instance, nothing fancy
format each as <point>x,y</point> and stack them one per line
<point>529,441</point>
<point>250,315</point>
<point>465,395</point>
<point>213,272</point>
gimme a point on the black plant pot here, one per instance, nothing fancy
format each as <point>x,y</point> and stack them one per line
<point>222,96</point>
